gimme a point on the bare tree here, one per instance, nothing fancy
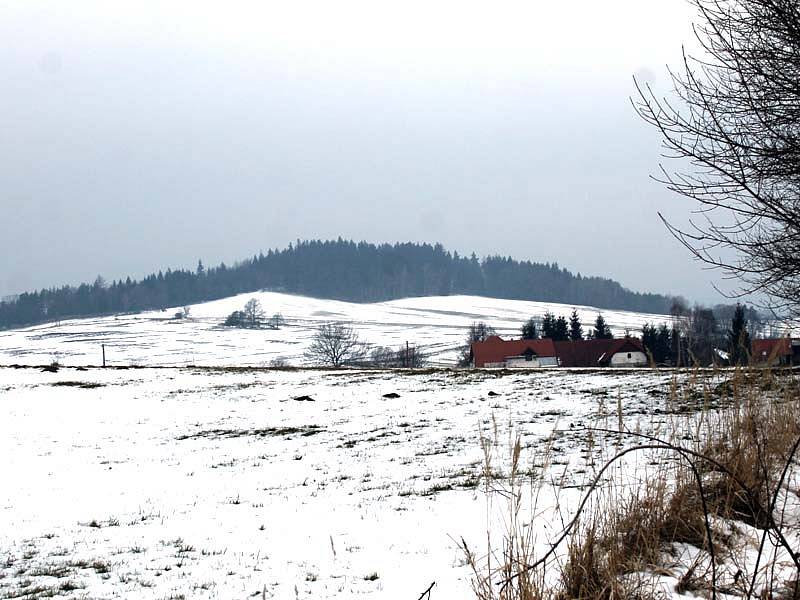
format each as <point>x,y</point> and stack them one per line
<point>703,336</point>
<point>277,321</point>
<point>335,344</point>
<point>736,127</point>
<point>477,332</point>
<point>405,357</point>
<point>411,357</point>
<point>382,357</point>
<point>253,313</point>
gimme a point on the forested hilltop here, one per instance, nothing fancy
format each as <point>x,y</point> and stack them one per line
<point>341,270</point>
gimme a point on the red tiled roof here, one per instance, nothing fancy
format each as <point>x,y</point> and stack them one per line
<point>594,353</point>
<point>495,349</point>
<point>583,353</point>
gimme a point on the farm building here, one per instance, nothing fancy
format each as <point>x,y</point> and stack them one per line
<point>776,351</point>
<point>625,352</point>
<point>497,352</point>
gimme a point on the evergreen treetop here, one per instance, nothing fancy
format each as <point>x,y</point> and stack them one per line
<point>575,328</point>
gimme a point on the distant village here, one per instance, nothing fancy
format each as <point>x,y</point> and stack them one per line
<point>692,340</point>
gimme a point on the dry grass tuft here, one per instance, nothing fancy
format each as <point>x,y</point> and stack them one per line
<point>718,466</point>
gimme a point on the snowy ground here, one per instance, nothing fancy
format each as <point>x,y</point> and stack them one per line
<point>437,325</point>
<point>215,483</point>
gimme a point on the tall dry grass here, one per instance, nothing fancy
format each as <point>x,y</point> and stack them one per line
<point>718,483</point>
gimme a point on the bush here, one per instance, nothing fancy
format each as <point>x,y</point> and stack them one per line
<point>235,319</point>
<point>250,317</point>
<point>405,357</point>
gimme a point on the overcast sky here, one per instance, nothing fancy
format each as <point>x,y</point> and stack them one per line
<point>141,135</point>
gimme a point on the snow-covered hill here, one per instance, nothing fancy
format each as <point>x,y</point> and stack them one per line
<point>437,324</point>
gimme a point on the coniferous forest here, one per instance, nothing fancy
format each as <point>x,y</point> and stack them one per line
<point>341,270</point>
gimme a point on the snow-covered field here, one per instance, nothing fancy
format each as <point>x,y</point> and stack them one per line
<point>435,324</point>
<point>226,481</point>
<point>221,483</point>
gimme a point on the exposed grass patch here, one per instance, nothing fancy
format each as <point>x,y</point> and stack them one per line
<point>305,430</point>
<point>51,570</point>
<point>28,591</point>
<point>436,488</point>
<point>86,385</point>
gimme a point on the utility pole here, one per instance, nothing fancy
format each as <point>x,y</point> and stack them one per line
<point>104,354</point>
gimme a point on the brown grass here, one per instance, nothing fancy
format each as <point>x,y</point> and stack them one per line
<point>729,466</point>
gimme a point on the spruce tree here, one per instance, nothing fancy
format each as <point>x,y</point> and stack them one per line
<point>650,339</point>
<point>739,338</point>
<point>549,325</point>
<point>561,332</point>
<point>665,343</point>
<point>575,329</point>
<point>601,330</point>
<point>529,330</point>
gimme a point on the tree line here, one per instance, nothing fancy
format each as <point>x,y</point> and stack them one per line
<point>559,329</point>
<point>341,270</point>
<point>704,336</point>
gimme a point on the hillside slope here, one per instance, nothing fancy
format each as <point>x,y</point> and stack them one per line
<point>436,324</point>
<point>338,270</point>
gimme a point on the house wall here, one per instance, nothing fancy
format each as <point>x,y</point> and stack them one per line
<point>637,359</point>
<point>518,362</point>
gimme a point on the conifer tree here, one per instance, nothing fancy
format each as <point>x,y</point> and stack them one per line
<point>664,344</point>
<point>561,332</point>
<point>601,330</point>
<point>548,325</point>
<point>650,339</point>
<point>575,329</point>
<point>739,338</point>
<point>529,330</point>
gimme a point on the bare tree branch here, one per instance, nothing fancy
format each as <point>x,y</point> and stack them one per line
<point>736,129</point>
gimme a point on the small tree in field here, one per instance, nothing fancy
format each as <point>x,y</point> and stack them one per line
<point>253,313</point>
<point>405,357</point>
<point>334,345</point>
<point>382,357</point>
<point>250,317</point>
<point>277,321</point>
<point>235,319</point>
